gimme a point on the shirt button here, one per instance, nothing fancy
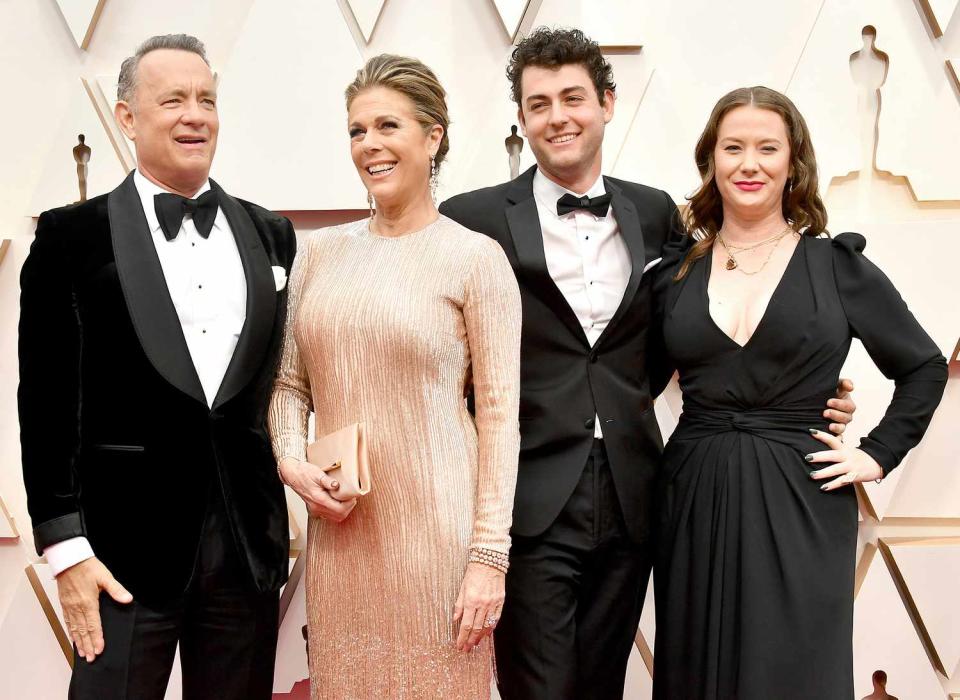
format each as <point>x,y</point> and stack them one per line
<point>200,286</point>
<point>204,330</point>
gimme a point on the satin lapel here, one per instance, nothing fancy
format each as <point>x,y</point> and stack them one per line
<point>524,223</point>
<point>629,222</point>
<point>261,300</point>
<point>145,291</point>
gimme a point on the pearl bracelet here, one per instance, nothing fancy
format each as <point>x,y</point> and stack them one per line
<point>491,558</point>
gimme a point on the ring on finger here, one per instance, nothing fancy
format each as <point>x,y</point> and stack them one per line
<point>491,621</point>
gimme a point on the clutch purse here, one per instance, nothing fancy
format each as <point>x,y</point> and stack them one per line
<point>343,456</point>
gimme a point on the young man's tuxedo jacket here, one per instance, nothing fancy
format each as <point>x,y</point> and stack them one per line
<point>118,441</point>
<point>565,382</point>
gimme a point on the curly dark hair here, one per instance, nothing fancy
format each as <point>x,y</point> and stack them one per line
<point>553,48</point>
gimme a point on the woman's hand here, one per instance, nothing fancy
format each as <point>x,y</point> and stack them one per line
<point>850,464</point>
<point>478,605</point>
<point>314,486</point>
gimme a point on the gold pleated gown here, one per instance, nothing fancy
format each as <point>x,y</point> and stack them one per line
<point>389,331</point>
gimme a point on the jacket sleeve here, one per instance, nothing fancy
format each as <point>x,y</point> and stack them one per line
<point>897,344</point>
<point>49,395</point>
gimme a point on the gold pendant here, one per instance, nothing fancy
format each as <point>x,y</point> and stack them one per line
<point>731,264</point>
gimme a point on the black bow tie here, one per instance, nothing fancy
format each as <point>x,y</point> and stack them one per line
<point>171,208</point>
<point>597,206</point>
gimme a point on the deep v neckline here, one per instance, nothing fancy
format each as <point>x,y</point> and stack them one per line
<point>708,269</point>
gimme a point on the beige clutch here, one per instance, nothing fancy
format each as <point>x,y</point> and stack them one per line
<point>343,456</point>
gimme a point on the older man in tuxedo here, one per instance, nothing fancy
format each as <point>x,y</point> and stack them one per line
<point>149,332</point>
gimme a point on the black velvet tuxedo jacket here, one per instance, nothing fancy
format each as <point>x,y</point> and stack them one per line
<point>564,382</point>
<point>118,442</point>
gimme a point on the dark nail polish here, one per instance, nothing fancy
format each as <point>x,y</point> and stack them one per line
<point>809,458</point>
<point>813,431</point>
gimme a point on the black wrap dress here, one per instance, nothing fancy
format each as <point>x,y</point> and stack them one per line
<point>754,571</point>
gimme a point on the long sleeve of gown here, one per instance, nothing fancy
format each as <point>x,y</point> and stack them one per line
<point>292,402</point>
<point>491,313</point>
<point>899,347</point>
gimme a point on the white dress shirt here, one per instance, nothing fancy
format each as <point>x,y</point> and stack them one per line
<point>208,287</point>
<point>586,257</point>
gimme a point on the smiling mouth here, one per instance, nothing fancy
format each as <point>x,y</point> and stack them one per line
<point>748,186</point>
<point>381,169</point>
<point>562,138</point>
<point>191,140</point>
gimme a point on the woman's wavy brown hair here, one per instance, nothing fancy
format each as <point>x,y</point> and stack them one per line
<point>802,207</point>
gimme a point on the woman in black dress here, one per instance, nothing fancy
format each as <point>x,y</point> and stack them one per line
<point>754,573</point>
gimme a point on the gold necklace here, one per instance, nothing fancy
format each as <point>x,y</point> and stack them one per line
<point>731,255</point>
<point>731,259</point>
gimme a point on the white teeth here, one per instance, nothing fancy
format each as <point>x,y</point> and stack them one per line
<point>381,168</point>
<point>564,138</point>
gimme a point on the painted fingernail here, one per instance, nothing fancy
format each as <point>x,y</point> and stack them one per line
<point>809,458</point>
<point>813,431</point>
<point>334,484</point>
<point>813,474</point>
<point>824,487</point>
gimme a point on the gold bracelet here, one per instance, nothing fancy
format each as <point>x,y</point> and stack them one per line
<point>491,558</point>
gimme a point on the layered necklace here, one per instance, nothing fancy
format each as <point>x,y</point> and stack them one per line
<point>733,251</point>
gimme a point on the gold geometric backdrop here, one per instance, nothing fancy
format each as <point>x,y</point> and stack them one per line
<point>876,80</point>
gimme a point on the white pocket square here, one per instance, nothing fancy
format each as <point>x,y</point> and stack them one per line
<point>279,277</point>
<point>651,264</point>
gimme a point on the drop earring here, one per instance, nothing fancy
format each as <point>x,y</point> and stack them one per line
<point>433,178</point>
<point>370,203</point>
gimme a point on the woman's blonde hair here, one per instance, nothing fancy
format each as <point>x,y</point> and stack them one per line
<point>414,79</point>
<point>802,207</point>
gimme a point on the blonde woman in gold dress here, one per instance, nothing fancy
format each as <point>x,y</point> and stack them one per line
<point>390,320</point>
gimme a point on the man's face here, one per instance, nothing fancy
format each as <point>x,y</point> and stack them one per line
<point>563,119</point>
<point>172,119</point>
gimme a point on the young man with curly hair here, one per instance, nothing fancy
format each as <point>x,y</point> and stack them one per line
<point>582,246</point>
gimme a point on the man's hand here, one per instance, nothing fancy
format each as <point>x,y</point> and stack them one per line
<point>840,409</point>
<point>316,489</point>
<point>79,589</point>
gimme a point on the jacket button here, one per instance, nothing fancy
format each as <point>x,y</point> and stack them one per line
<point>588,424</point>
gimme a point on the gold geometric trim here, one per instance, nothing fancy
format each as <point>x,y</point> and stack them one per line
<point>51,614</point>
<point>910,604</point>
<point>645,652</point>
<point>293,581</point>
<point>3,506</point>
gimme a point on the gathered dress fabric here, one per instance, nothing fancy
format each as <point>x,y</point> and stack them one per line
<point>754,570</point>
<point>392,332</point>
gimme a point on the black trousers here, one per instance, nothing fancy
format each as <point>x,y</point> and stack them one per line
<point>227,634</point>
<point>573,599</point>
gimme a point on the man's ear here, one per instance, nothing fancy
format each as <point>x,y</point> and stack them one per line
<point>609,98</point>
<point>123,113</point>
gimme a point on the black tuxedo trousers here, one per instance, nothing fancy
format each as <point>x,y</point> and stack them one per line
<point>566,382</point>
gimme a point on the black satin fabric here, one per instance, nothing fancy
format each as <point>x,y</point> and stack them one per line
<point>754,570</point>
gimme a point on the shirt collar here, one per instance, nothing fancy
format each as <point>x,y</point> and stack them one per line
<point>547,192</point>
<point>147,189</point>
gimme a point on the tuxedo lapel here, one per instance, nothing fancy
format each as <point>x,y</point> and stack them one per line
<point>524,223</point>
<point>261,300</point>
<point>145,291</point>
<point>628,220</point>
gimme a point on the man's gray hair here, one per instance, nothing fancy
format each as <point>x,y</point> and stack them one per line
<point>128,69</point>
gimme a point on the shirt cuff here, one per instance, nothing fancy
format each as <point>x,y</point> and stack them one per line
<point>62,555</point>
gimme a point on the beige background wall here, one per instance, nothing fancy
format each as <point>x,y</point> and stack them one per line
<point>282,68</point>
